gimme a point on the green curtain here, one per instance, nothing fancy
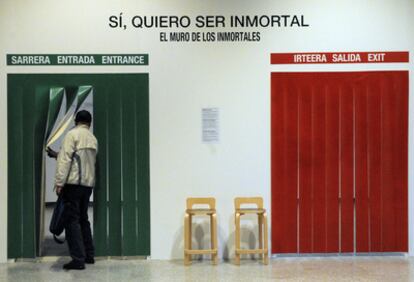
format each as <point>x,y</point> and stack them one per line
<point>122,198</point>
<point>121,124</point>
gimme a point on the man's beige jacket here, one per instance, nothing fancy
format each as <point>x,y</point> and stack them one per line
<point>77,157</point>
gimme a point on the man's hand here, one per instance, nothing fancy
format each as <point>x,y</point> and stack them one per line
<point>51,153</point>
<point>58,190</point>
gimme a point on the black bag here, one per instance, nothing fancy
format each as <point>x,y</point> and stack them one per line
<point>57,223</point>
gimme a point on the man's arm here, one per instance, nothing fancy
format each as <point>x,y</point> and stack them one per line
<point>64,161</point>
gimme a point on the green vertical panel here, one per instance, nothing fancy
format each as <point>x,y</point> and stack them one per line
<point>115,169</point>
<point>24,166</point>
<point>82,94</point>
<point>143,158</point>
<point>28,199</point>
<point>71,91</point>
<point>39,120</point>
<point>55,101</point>
<point>128,122</point>
<point>100,204</point>
<point>15,171</point>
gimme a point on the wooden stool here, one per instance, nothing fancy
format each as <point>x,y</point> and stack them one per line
<point>189,213</point>
<point>262,219</point>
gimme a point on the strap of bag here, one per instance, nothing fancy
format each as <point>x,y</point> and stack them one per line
<point>57,240</point>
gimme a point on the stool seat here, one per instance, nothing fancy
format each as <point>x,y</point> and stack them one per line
<point>254,211</point>
<point>190,212</point>
<point>200,211</point>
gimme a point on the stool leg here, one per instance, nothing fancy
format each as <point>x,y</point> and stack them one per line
<point>187,238</point>
<point>237,238</point>
<point>213,228</point>
<point>266,241</point>
<point>190,232</point>
<point>260,223</point>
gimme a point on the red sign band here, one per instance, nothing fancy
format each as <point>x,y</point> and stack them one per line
<point>339,58</point>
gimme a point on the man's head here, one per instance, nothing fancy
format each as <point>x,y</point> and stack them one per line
<point>83,117</point>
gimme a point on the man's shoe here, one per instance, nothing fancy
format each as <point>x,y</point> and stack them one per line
<point>90,260</point>
<point>74,265</point>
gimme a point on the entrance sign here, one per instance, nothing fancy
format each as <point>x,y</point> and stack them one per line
<point>77,59</point>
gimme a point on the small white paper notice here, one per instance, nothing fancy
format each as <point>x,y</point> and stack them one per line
<point>210,125</point>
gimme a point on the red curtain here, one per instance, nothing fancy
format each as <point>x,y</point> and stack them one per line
<point>339,162</point>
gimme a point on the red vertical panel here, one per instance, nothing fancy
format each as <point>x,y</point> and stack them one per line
<point>305,167</point>
<point>388,123</point>
<point>318,180</point>
<point>291,164</point>
<point>278,182</point>
<point>374,162</point>
<point>284,225</point>
<point>347,168</point>
<point>361,166</point>
<point>401,161</point>
<point>332,167</point>
<point>394,164</point>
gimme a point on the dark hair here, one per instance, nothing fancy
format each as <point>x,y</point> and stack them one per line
<point>83,117</point>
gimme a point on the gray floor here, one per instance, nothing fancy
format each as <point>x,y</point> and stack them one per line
<point>49,268</point>
<point>281,269</point>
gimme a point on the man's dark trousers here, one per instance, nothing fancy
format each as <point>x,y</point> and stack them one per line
<point>77,226</point>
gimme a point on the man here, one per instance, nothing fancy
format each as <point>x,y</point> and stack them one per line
<point>74,180</point>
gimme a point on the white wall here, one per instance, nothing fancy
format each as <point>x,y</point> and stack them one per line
<point>184,77</point>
